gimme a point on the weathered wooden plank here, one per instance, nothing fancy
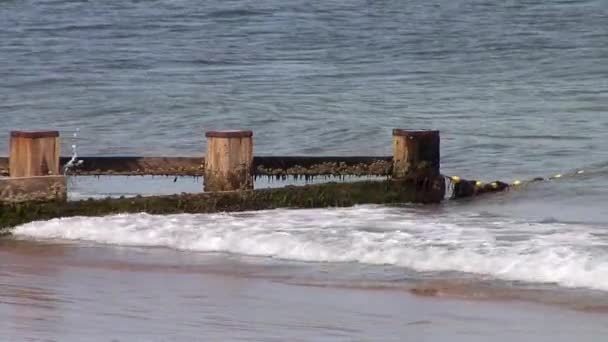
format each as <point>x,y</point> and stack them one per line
<point>322,166</point>
<point>133,165</point>
<point>262,165</point>
<point>415,152</point>
<point>228,162</point>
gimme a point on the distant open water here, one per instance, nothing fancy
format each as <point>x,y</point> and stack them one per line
<point>516,87</point>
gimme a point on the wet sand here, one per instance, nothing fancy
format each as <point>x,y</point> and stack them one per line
<point>87,292</point>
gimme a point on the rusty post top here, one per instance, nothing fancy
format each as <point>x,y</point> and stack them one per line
<point>397,132</point>
<point>34,135</point>
<point>229,134</point>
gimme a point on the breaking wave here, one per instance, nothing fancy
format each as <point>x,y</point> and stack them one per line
<point>570,255</point>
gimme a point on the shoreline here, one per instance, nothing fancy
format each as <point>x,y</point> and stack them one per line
<point>74,286</point>
<point>463,288</point>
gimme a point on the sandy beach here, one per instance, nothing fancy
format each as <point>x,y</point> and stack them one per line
<point>75,292</point>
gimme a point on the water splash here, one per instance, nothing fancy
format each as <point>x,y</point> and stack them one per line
<point>74,161</point>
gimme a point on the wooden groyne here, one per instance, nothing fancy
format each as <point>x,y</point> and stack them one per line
<point>229,168</point>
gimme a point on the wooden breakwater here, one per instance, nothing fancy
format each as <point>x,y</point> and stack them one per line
<point>229,168</point>
<point>309,196</point>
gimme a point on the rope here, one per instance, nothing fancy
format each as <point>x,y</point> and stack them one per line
<point>461,188</point>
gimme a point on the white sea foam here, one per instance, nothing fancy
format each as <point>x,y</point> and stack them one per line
<point>566,254</point>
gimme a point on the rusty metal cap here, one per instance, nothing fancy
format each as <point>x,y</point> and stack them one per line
<point>34,135</point>
<point>413,132</point>
<point>229,134</point>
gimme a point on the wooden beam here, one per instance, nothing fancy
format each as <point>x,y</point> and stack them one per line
<point>193,166</point>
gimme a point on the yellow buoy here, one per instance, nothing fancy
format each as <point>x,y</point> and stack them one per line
<point>455,179</point>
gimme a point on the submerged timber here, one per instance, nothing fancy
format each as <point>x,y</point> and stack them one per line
<point>391,191</point>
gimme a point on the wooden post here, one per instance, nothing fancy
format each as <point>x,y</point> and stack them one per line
<point>415,153</point>
<point>34,154</point>
<point>33,189</point>
<point>229,160</point>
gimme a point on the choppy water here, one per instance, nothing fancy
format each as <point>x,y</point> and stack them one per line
<point>518,89</point>
<point>515,86</point>
<point>555,253</point>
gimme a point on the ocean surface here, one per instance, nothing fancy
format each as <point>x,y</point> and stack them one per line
<point>517,88</point>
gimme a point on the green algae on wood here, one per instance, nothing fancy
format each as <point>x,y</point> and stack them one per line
<point>410,190</point>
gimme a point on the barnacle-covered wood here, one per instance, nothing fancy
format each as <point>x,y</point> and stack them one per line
<point>373,168</point>
<point>194,166</point>
<point>33,189</point>
<point>138,166</point>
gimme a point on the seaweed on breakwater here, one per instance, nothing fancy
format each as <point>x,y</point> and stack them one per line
<point>194,166</point>
<point>138,166</point>
<point>340,169</point>
<point>409,190</point>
